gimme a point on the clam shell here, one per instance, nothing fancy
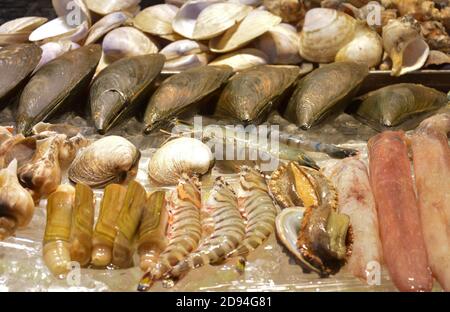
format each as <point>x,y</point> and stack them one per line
<point>18,30</point>
<point>183,91</point>
<point>120,88</point>
<point>184,54</point>
<point>177,157</point>
<point>324,33</point>
<point>58,29</point>
<point>157,19</point>
<point>104,7</point>
<point>405,45</point>
<point>288,224</point>
<point>324,91</point>
<point>16,64</point>
<point>105,25</point>
<point>127,41</point>
<point>52,50</point>
<point>256,23</point>
<point>74,10</point>
<point>62,79</point>
<point>186,62</point>
<point>251,94</point>
<point>111,159</point>
<point>242,59</point>
<point>205,19</point>
<point>280,44</point>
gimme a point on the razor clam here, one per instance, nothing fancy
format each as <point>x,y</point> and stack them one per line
<point>128,224</point>
<point>251,94</point>
<point>182,92</point>
<point>325,237</point>
<point>395,104</point>
<point>105,229</point>
<point>52,50</point>
<point>56,249</point>
<point>16,204</point>
<point>325,90</point>
<point>105,25</point>
<point>112,159</point>
<point>119,89</point>
<point>17,62</point>
<point>127,41</point>
<point>82,224</point>
<point>18,30</point>
<point>42,175</point>
<point>179,156</point>
<point>62,79</point>
<point>152,230</point>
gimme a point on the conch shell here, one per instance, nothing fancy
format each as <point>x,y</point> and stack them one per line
<point>16,204</point>
<point>405,45</point>
<point>179,156</point>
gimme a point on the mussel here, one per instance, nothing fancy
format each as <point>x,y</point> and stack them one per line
<point>112,159</point>
<point>17,62</point>
<point>179,156</point>
<point>325,90</point>
<point>16,204</point>
<point>121,87</point>
<point>182,91</point>
<point>393,105</point>
<point>251,94</point>
<point>55,85</point>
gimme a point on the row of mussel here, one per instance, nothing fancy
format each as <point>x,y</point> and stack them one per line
<point>247,97</point>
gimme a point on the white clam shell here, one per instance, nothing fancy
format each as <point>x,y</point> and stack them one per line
<point>106,24</point>
<point>104,7</point>
<point>127,41</point>
<point>324,33</point>
<point>177,157</point>
<point>185,62</point>
<point>280,44</point>
<point>58,29</point>
<point>184,54</point>
<point>205,19</point>
<point>256,23</point>
<point>242,59</point>
<point>182,48</point>
<point>157,19</point>
<point>73,9</point>
<point>18,30</point>
<point>54,49</point>
<point>366,47</point>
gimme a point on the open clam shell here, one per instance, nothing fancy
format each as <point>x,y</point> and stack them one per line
<point>185,54</point>
<point>206,19</point>
<point>256,23</point>
<point>112,159</point>
<point>242,59</point>
<point>18,30</point>
<point>105,7</point>
<point>127,41</point>
<point>288,224</point>
<point>118,90</point>
<point>59,29</point>
<point>74,11</point>
<point>17,62</point>
<point>62,79</point>
<point>156,20</point>
<point>53,49</point>
<point>105,25</point>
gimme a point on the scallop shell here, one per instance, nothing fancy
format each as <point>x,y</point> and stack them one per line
<point>242,59</point>
<point>127,41</point>
<point>111,159</point>
<point>177,157</point>
<point>205,19</point>
<point>157,19</point>
<point>104,7</point>
<point>105,25</point>
<point>256,23</point>
<point>18,30</point>
<point>324,33</point>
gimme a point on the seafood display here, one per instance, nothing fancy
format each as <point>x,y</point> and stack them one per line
<point>216,145</point>
<point>431,156</point>
<point>180,156</point>
<point>392,105</point>
<point>398,212</point>
<point>112,159</point>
